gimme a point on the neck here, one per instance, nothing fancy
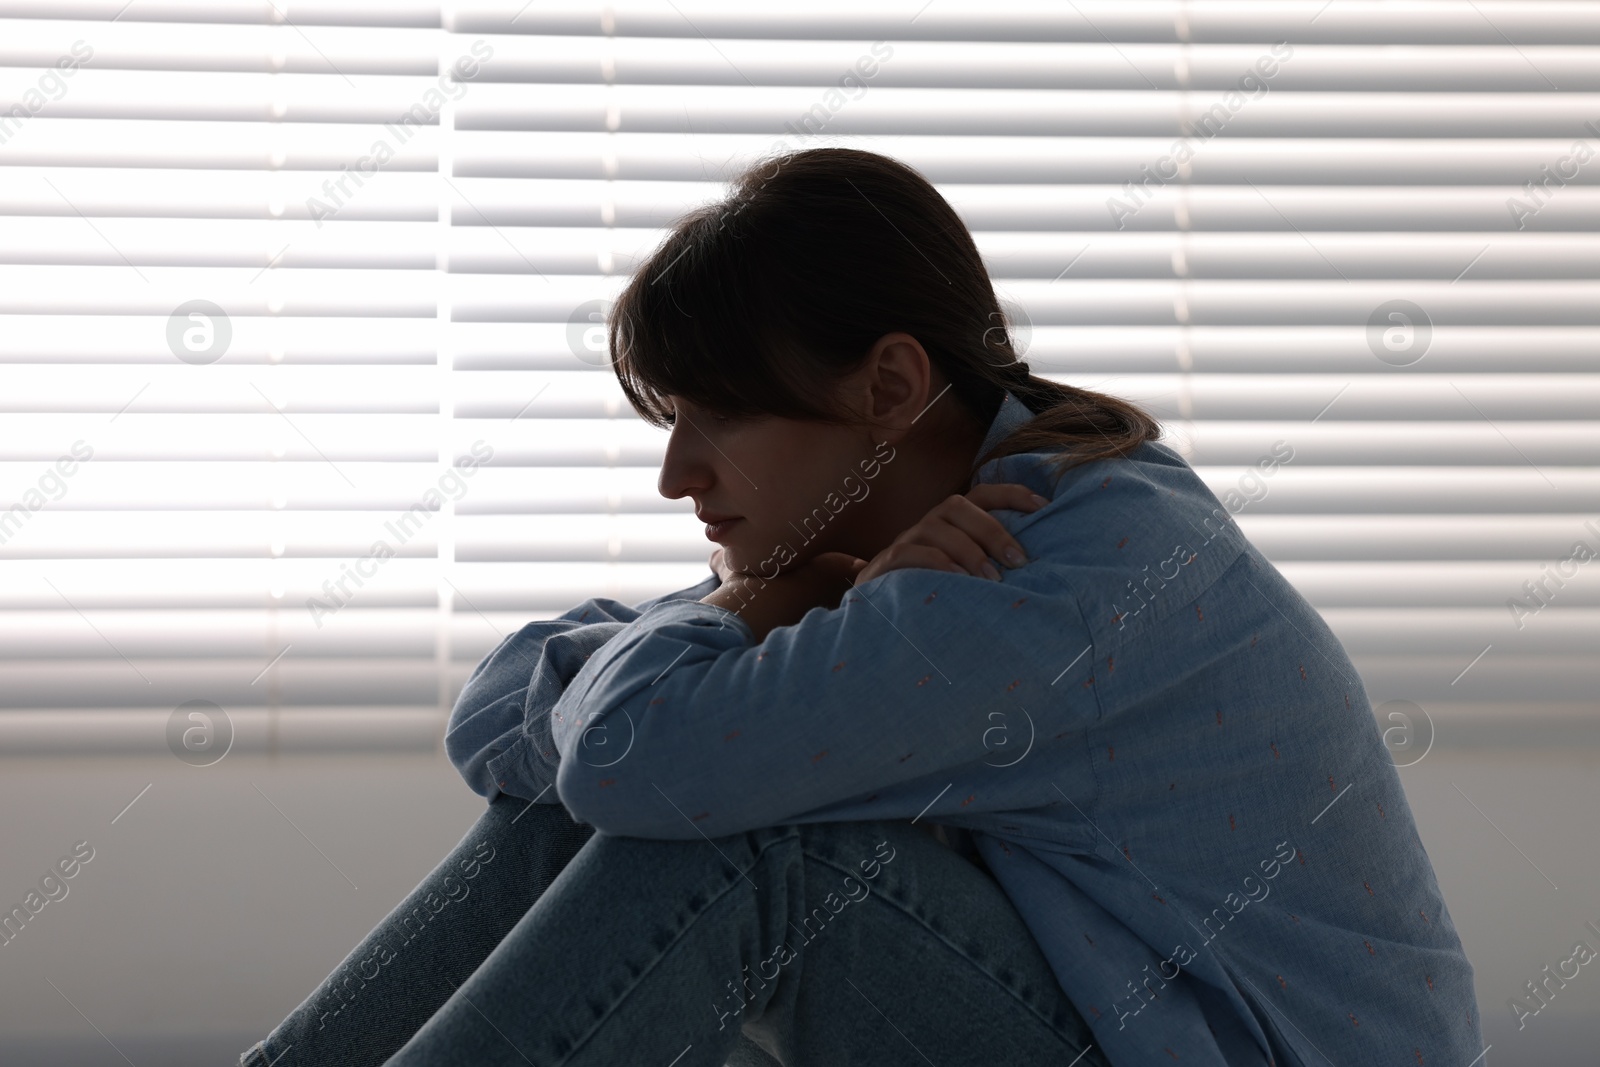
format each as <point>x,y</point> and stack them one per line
<point>927,467</point>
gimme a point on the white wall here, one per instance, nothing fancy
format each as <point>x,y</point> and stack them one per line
<point>205,916</point>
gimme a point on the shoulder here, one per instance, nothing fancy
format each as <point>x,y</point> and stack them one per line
<point>704,587</point>
<point>1149,493</point>
<point>1114,521</point>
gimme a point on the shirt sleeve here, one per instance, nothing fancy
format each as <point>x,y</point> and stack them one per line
<point>498,734</point>
<point>864,711</point>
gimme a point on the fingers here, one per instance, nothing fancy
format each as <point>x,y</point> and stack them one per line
<point>907,555</point>
<point>984,534</point>
<point>1013,495</point>
<point>962,533</point>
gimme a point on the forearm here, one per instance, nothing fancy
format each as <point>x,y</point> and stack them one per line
<point>498,735</point>
<point>505,745</point>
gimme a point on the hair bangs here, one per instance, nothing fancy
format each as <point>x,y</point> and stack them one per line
<point>694,322</point>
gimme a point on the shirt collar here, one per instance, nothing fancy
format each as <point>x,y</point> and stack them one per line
<point>1012,413</point>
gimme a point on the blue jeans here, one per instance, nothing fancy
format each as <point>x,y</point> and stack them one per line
<point>538,941</point>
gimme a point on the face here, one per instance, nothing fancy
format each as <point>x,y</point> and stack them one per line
<point>798,488</point>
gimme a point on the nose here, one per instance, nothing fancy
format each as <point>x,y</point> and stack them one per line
<point>683,469</point>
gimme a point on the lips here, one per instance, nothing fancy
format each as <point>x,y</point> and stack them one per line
<point>715,531</point>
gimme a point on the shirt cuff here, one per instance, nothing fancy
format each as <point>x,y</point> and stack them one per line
<point>513,772</point>
<point>695,611</point>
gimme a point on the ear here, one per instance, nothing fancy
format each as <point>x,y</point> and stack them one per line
<point>899,378</point>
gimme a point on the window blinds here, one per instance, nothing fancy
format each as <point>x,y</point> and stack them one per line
<point>303,408</point>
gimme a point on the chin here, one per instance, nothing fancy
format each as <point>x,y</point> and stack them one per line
<point>761,564</point>
<point>735,558</point>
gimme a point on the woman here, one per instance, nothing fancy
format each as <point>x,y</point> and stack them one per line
<point>1161,823</point>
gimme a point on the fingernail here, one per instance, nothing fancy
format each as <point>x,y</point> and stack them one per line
<point>1039,500</point>
<point>1014,558</point>
<point>989,571</point>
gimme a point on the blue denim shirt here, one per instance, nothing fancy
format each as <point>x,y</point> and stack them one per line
<point>1160,750</point>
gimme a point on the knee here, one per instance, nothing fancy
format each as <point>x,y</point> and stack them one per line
<point>741,849</point>
<point>860,847</point>
<point>693,873</point>
<point>509,809</point>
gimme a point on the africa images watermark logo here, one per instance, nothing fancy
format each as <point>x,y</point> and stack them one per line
<point>1399,332</point>
<point>52,887</point>
<point>49,87</point>
<point>1409,735</point>
<point>403,527</point>
<point>1537,191</point>
<point>1537,593</point>
<point>354,976</point>
<point>1251,488</point>
<point>855,889</point>
<point>1254,82</point>
<point>48,488</point>
<point>199,332</point>
<point>381,151</point>
<point>199,733</point>
<point>1183,954</point>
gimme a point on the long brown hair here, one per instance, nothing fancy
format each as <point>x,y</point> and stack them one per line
<point>757,304</point>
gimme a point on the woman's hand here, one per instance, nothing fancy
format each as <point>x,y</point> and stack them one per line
<point>959,534</point>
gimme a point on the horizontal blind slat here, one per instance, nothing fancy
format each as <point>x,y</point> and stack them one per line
<point>426,314</point>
